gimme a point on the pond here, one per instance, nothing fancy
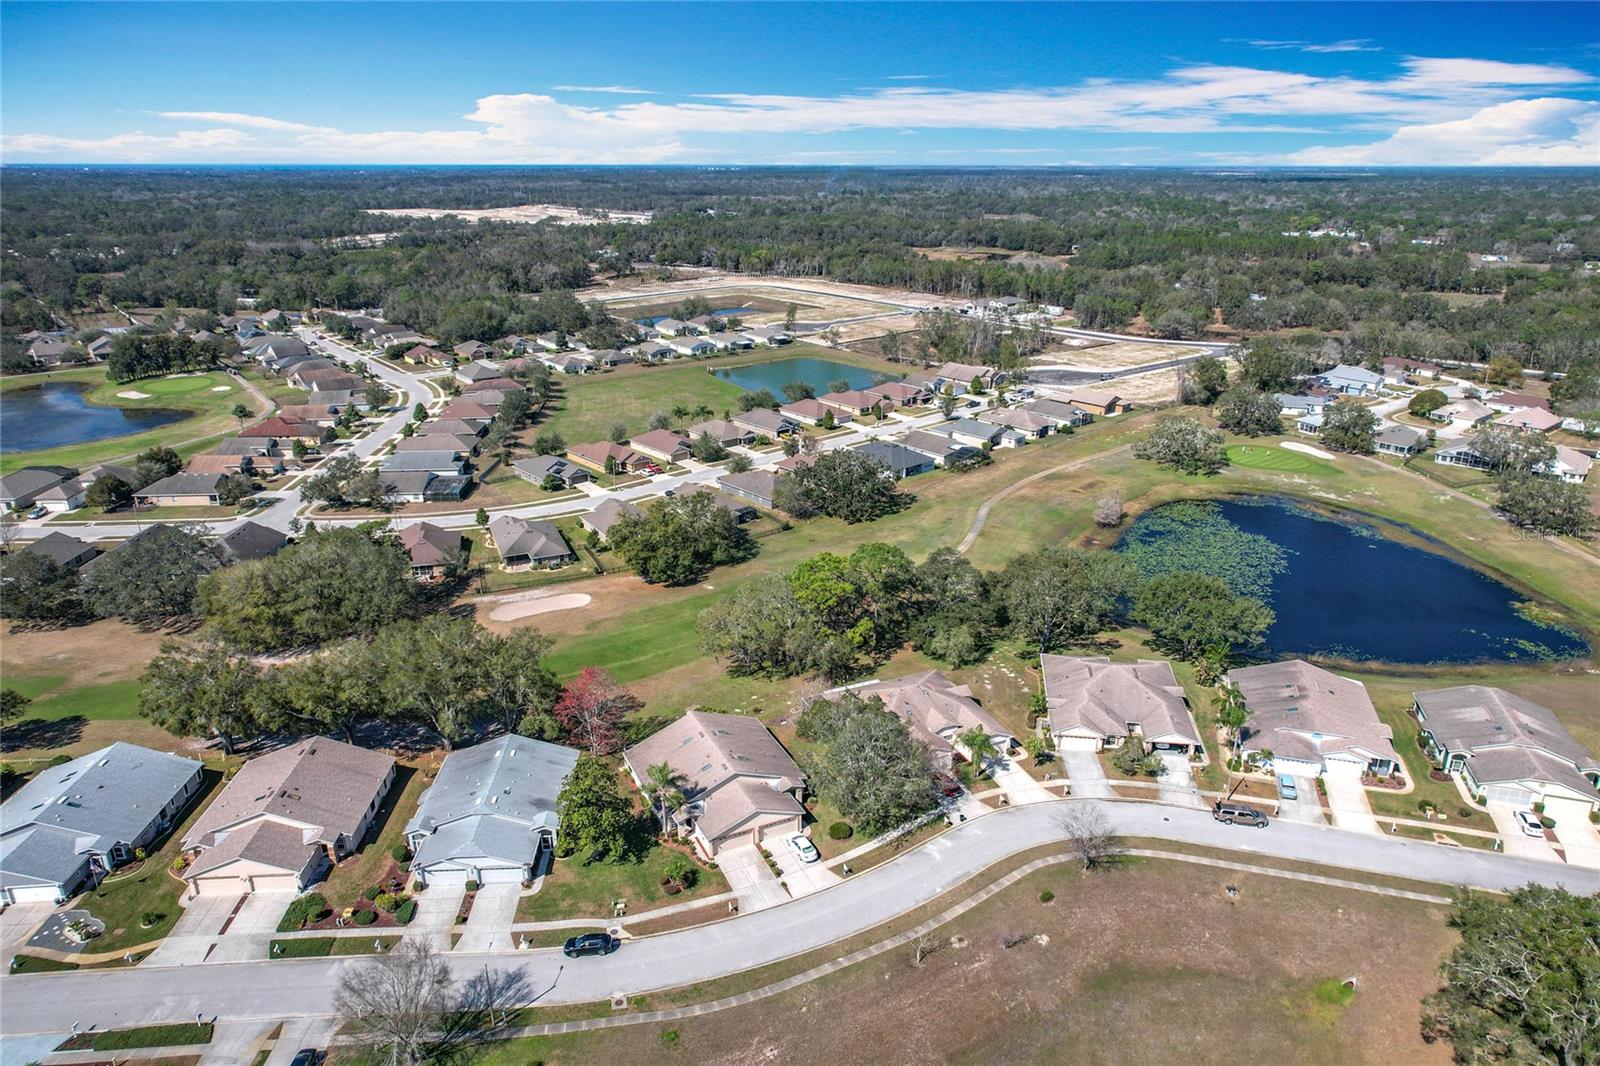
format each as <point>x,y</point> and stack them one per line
<point>720,312</point>
<point>818,373</point>
<point>1341,588</point>
<point>57,413</point>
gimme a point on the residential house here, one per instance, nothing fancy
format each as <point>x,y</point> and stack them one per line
<point>1569,465</point>
<point>1096,401</point>
<point>477,370</point>
<point>1093,703</point>
<point>610,357</point>
<point>732,340</point>
<point>471,408</point>
<point>854,402</point>
<point>421,486</point>
<point>1508,749</point>
<point>1351,380</point>
<point>284,429</point>
<point>726,433</point>
<point>142,533</point>
<point>672,327</point>
<point>71,824</point>
<point>648,351</point>
<point>1463,414</point>
<point>209,463</point>
<point>757,486</point>
<point>694,347</point>
<point>741,511</point>
<point>434,551</point>
<point>318,414</point>
<point>662,445</point>
<point>943,450</point>
<point>607,514</point>
<point>937,711</point>
<point>1408,369</point>
<point>962,378</point>
<point>1507,402</point>
<point>500,384</point>
<point>99,349</point>
<point>524,544</point>
<point>425,354</point>
<point>1312,721</point>
<point>607,457</point>
<point>271,346</point>
<point>248,541</point>
<point>125,474</point>
<point>1398,440</point>
<point>900,394</point>
<point>1061,414</point>
<point>902,462</point>
<point>286,817</point>
<point>764,422</point>
<point>813,412</point>
<point>1462,454</point>
<point>1026,423</point>
<point>182,490</point>
<point>53,351</point>
<point>1300,405</point>
<point>1529,420</point>
<point>451,426</point>
<point>462,444</point>
<point>790,463</point>
<point>440,462</point>
<point>568,363</point>
<point>62,550</point>
<point>258,448</point>
<point>537,468</point>
<point>1310,424</point>
<point>489,816</point>
<point>740,785</point>
<point>977,434</point>
<point>55,488</point>
<point>470,351</point>
<point>320,382</point>
<point>773,335</point>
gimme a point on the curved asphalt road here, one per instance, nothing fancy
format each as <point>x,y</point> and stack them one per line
<point>267,990</point>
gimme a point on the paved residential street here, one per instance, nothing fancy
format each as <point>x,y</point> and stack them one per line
<point>51,1002</point>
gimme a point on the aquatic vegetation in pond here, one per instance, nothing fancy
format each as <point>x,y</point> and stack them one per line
<point>1193,536</point>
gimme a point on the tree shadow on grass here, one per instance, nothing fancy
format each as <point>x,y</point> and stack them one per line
<point>483,1014</point>
<point>43,733</point>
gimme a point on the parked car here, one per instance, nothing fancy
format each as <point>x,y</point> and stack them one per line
<point>1286,788</point>
<point>1238,814</point>
<point>589,944</point>
<point>1530,825</point>
<point>306,1056</point>
<point>38,512</point>
<point>803,848</point>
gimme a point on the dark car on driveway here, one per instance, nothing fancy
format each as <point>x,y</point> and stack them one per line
<point>1239,814</point>
<point>590,944</point>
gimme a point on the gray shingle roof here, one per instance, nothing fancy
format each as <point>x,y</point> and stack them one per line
<point>1476,717</point>
<point>517,537</point>
<point>251,540</point>
<point>492,800</point>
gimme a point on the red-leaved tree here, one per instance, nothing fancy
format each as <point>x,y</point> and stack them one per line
<point>591,710</point>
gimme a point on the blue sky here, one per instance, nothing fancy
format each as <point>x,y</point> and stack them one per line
<point>909,83</point>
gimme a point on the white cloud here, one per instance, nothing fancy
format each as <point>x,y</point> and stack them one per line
<point>1354,44</point>
<point>908,77</point>
<point>620,90</point>
<point>1448,95</point>
<point>1547,131</point>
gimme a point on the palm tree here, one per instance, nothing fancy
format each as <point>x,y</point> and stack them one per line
<point>980,746</point>
<point>680,412</point>
<point>703,412</point>
<point>665,789</point>
<point>1232,713</point>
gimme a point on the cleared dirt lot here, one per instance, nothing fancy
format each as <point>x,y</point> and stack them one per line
<point>1150,963</point>
<point>1118,355</point>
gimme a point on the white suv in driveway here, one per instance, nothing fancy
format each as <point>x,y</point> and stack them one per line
<point>803,848</point>
<point>1530,825</point>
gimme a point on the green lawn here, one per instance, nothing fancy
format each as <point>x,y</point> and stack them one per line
<point>54,697</point>
<point>1271,457</point>
<point>316,947</point>
<point>575,890</point>
<point>352,877</point>
<point>142,1037</point>
<point>209,414</point>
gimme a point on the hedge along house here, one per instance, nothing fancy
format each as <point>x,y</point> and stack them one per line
<point>285,817</point>
<point>490,814</point>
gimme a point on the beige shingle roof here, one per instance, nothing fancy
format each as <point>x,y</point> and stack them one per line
<point>1304,712</point>
<point>935,708</point>
<point>1103,696</point>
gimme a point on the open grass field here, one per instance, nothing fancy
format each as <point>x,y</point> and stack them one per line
<point>1224,980</point>
<point>208,414</point>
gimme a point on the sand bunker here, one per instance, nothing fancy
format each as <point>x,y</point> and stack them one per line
<point>1296,446</point>
<point>133,394</point>
<point>222,388</point>
<point>537,603</point>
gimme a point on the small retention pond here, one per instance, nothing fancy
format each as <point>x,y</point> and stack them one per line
<point>818,373</point>
<point>720,312</point>
<point>56,413</point>
<point>1340,587</point>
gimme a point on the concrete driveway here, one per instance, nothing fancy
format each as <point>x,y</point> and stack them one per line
<point>196,930</point>
<point>488,927</point>
<point>750,879</point>
<point>1177,784</point>
<point>18,923</point>
<point>1513,841</point>
<point>437,908</point>
<point>1348,800</point>
<point>1087,776</point>
<point>1306,807</point>
<point>249,935</point>
<point>1579,837</point>
<point>1019,784</point>
<point>802,878</point>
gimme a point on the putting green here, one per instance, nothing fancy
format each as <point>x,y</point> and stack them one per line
<point>178,386</point>
<point>1271,457</point>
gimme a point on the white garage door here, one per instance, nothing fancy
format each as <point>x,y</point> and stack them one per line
<point>1517,797</point>
<point>31,894</point>
<point>220,886</point>
<point>447,876</point>
<point>1077,744</point>
<point>504,875</point>
<point>1296,767</point>
<point>275,883</point>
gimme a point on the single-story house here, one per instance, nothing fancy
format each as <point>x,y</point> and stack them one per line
<point>648,351</point>
<point>285,817</point>
<point>813,412</point>
<point>662,445</point>
<point>692,346</point>
<point>568,363</point>
<point>606,514</point>
<point>730,340</point>
<point>441,462</point>
<point>524,544</point>
<point>902,462</point>
<point>672,327</point>
<point>451,426</point>
<point>1529,420</point>
<point>1463,414</point>
<point>63,550</point>
<point>1093,703</point>
<point>1312,721</point>
<point>757,486</point>
<point>251,540</point>
<point>552,341</point>
<point>100,348</point>
<point>425,354</point>
<point>1507,402</point>
<point>1025,422</point>
<point>284,429</point>
<point>211,463</point>
<point>900,394</point>
<point>1409,368</point>
<point>490,813</point>
<point>182,490</point>
<point>790,463</point>
<point>320,382</point>
<point>740,785</point>
<point>724,432</point>
<point>620,458</point>
<point>501,384</point>
<point>1569,465</point>
<point>854,402</point>
<point>433,550</point>
<point>1507,748</point>
<point>22,488</point>
<point>769,335</point>
<point>1351,380</point>
<point>477,370</point>
<point>471,350</point>
<point>963,377</point>
<point>123,473</point>
<point>318,414</point>
<point>1398,440</point>
<point>461,445</point>
<point>1061,414</point>
<point>421,486</point>
<point>976,433</point>
<point>741,511</point>
<point>763,422</point>
<point>1311,424</point>
<point>936,710</point>
<point>943,450</point>
<point>536,468</point>
<point>1096,401</point>
<point>257,447</point>
<point>1299,405</point>
<point>71,824</point>
<point>1462,454</point>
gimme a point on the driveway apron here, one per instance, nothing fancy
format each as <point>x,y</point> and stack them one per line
<point>488,927</point>
<point>750,878</point>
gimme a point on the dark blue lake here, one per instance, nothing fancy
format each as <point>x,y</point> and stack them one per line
<point>1341,588</point>
<point>56,413</point>
<point>818,373</point>
<point>720,312</point>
